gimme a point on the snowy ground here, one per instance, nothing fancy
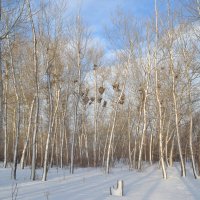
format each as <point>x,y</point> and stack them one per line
<point>93,184</point>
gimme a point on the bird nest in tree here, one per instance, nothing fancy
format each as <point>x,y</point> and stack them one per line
<point>92,99</point>
<point>99,99</point>
<point>121,101</point>
<point>142,92</point>
<point>141,89</point>
<point>95,67</point>
<point>82,93</point>
<point>85,92</point>
<point>101,90</point>
<point>122,97</point>
<point>86,100</point>
<point>116,87</point>
<point>104,104</point>
<point>159,86</point>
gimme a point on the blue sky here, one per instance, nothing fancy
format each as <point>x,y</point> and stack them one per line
<point>98,13</point>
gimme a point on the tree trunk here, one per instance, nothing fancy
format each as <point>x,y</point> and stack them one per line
<point>62,133</point>
<point>44,176</point>
<point>144,129</point>
<point>33,164</point>
<point>171,152</point>
<point>35,58</point>
<point>53,143</point>
<point>18,121</point>
<point>183,170</point>
<point>1,90</point>
<point>113,125</point>
<point>160,129</point>
<point>73,137</point>
<point>28,134</point>
<point>15,161</point>
<point>191,123</point>
<point>95,122</point>
<point>150,149</point>
<point>166,143</point>
<point>5,115</point>
<point>129,142</point>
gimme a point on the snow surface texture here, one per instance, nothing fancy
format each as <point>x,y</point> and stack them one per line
<point>93,184</point>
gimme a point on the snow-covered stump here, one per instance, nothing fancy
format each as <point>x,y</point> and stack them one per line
<point>119,190</point>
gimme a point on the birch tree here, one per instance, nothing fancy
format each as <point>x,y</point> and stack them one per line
<point>35,59</point>
<point>158,98</point>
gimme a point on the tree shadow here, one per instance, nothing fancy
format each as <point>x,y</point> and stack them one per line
<point>131,188</point>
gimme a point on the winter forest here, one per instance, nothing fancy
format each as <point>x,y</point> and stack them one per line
<point>70,101</point>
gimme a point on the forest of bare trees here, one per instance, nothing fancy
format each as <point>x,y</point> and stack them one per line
<point>65,103</point>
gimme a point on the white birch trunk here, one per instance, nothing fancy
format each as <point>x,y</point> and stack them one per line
<point>160,130</point>
<point>114,123</point>
<point>95,122</point>
<point>62,133</point>
<point>171,152</point>
<point>183,170</point>
<point>191,122</point>
<point>150,149</point>
<point>28,135</point>
<point>135,153</point>
<point>18,121</point>
<point>35,58</point>
<point>1,89</point>
<point>5,117</point>
<point>129,143</point>
<point>144,129</point>
<point>44,176</point>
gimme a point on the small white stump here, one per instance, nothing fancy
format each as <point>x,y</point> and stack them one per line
<point>119,190</point>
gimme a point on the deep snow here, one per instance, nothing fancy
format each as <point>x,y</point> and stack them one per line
<point>93,184</point>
